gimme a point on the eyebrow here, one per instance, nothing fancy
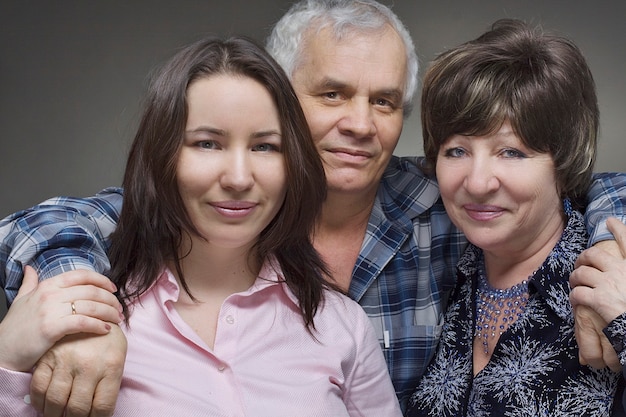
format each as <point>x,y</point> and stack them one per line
<point>202,129</point>
<point>333,84</point>
<point>220,132</point>
<point>265,133</point>
<point>394,94</point>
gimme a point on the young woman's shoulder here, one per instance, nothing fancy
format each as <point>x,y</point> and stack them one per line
<point>339,312</point>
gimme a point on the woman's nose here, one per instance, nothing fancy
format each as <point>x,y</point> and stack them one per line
<point>481,178</point>
<point>237,172</point>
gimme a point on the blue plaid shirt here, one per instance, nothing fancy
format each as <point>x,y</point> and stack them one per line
<point>401,279</point>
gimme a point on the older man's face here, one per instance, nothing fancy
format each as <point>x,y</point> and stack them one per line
<point>352,93</point>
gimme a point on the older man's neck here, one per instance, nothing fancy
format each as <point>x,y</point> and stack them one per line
<point>339,234</point>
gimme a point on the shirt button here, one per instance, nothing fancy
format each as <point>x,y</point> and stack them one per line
<point>230,319</point>
<point>221,368</point>
<point>27,399</point>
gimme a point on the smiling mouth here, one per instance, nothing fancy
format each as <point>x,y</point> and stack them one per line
<point>483,213</point>
<point>350,155</point>
<point>234,209</point>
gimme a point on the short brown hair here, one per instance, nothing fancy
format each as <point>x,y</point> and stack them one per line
<point>540,83</point>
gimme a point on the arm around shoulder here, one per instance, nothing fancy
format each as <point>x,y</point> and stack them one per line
<point>56,236</point>
<point>607,198</point>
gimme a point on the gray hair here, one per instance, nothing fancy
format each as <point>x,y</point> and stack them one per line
<point>345,17</point>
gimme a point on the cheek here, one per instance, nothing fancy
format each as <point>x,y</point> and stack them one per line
<point>271,177</point>
<point>194,177</point>
<point>447,180</point>
<point>184,178</point>
<point>318,128</point>
<point>547,197</point>
<point>389,130</point>
<point>320,121</point>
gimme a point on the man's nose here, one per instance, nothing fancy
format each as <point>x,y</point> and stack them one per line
<point>358,119</point>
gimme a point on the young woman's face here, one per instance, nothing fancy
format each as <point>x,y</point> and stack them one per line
<point>501,194</point>
<point>231,170</point>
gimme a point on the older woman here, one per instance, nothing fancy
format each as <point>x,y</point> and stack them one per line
<point>510,123</point>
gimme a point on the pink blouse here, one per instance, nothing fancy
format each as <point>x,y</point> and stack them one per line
<point>264,362</point>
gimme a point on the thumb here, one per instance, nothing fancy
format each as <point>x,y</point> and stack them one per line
<point>29,282</point>
<point>619,232</point>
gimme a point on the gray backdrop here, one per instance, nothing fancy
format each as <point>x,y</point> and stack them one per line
<point>73,72</point>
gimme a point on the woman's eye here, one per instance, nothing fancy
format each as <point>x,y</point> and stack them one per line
<point>454,152</point>
<point>207,144</point>
<point>266,147</point>
<point>513,153</point>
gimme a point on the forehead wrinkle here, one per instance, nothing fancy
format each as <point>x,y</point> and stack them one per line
<point>356,47</point>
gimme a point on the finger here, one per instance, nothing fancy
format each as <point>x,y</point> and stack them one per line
<point>584,276</point>
<point>609,355</point>
<point>81,396</point>
<point>589,343</point>
<point>595,257</point>
<point>39,385</point>
<point>77,323</point>
<point>29,282</point>
<point>619,232</point>
<point>106,395</point>
<point>86,277</point>
<point>579,295</point>
<point>100,395</point>
<point>106,392</point>
<point>91,293</point>
<point>58,393</point>
<point>96,310</point>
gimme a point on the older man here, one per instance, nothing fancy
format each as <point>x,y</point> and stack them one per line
<point>383,230</point>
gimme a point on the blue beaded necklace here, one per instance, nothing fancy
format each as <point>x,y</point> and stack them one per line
<point>497,309</point>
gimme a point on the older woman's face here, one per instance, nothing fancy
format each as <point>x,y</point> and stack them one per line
<point>501,194</point>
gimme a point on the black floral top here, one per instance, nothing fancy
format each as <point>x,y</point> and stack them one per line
<point>534,368</point>
<point>616,333</point>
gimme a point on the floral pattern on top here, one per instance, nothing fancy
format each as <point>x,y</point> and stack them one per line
<point>534,368</point>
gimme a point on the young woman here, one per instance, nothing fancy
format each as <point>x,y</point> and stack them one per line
<point>225,302</point>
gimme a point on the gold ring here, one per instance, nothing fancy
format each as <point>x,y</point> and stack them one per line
<point>73,308</point>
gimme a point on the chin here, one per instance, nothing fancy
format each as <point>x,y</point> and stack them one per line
<point>485,240</point>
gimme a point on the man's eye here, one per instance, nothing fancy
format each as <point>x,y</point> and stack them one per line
<point>331,95</point>
<point>384,103</point>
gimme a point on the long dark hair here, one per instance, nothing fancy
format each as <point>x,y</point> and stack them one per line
<point>153,220</point>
